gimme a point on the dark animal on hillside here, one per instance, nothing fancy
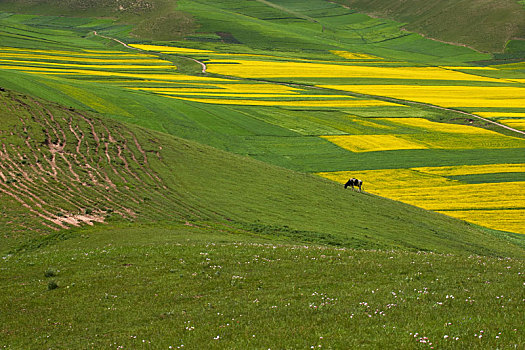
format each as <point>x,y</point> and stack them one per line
<point>354,182</point>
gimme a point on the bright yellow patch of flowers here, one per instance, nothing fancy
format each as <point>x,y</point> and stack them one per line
<point>279,69</point>
<point>370,143</point>
<point>514,123</point>
<point>473,169</point>
<point>446,96</point>
<point>511,220</point>
<point>428,125</point>
<point>296,103</point>
<point>501,114</point>
<point>355,56</point>
<point>90,53</point>
<point>169,49</point>
<point>495,205</point>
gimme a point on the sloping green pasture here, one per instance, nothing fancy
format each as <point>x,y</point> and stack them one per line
<point>160,286</point>
<point>279,124</point>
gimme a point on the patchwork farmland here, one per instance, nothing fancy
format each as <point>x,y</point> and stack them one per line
<point>176,168</point>
<point>337,114</point>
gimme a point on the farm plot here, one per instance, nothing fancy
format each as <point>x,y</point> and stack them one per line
<point>149,70</point>
<point>496,205</point>
<point>491,195</point>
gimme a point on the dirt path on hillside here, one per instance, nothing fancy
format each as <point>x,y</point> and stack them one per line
<point>137,49</point>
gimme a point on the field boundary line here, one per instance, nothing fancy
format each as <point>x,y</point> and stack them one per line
<point>203,65</point>
<point>377,97</point>
<point>394,100</point>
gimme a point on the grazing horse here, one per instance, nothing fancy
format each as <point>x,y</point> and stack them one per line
<point>354,182</point>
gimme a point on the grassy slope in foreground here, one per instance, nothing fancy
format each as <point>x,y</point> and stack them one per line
<point>164,287</point>
<point>114,172</point>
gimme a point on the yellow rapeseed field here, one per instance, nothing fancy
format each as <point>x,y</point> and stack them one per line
<point>233,88</point>
<point>90,53</point>
<point>298,103</point>
<point>511,220</point>
<point>96,66</point>
<point>473,169</point>
<point>113,59</point>
<point>169,49</point>
<point>370,143</point>
<point>454,136</point>
<point>273,69</point>
<point>462,196</point>
<point>146,76</point>
<point>514,123</point>
<point>446,96</point>
<point>376,180</point>
<point>427,125</point>
<point>495,205</point>
<point>355,56</point>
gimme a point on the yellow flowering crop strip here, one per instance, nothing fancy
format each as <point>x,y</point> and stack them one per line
<point>496,205</point>
<point>446,96</point>
<point>95,66</point>
<point>514,123</point>
<point>427,125</point>
<point>472,169</point>
<point>453,136</point>
<point>355,56</point>
<point>297,103</point>
<point>115,60</point>
<point>273,69</point>
<point>153,76</point>
<point>511,220</point>
<point>170,49</point>
<point>463,196</point>
<point>370,143</point>
<point>501,114</point>
<point>233,88</point>
<point>89,53</point>
<point>376,180</point>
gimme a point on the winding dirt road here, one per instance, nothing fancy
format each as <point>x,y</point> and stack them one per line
<point>134,48</point>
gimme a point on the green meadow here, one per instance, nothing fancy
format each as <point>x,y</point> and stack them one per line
<point>147,203</point>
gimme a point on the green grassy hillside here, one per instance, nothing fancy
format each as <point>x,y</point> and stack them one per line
<point>489,26</point>
<point>64,168</point>
<point>169,287</point>
<point>152,19</point>
<point>484,25</point>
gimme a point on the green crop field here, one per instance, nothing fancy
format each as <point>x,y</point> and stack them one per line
<point>169,166</point>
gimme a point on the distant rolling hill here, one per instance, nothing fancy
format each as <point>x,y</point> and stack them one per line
<point>483,25</point>
<point>490,26</point>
